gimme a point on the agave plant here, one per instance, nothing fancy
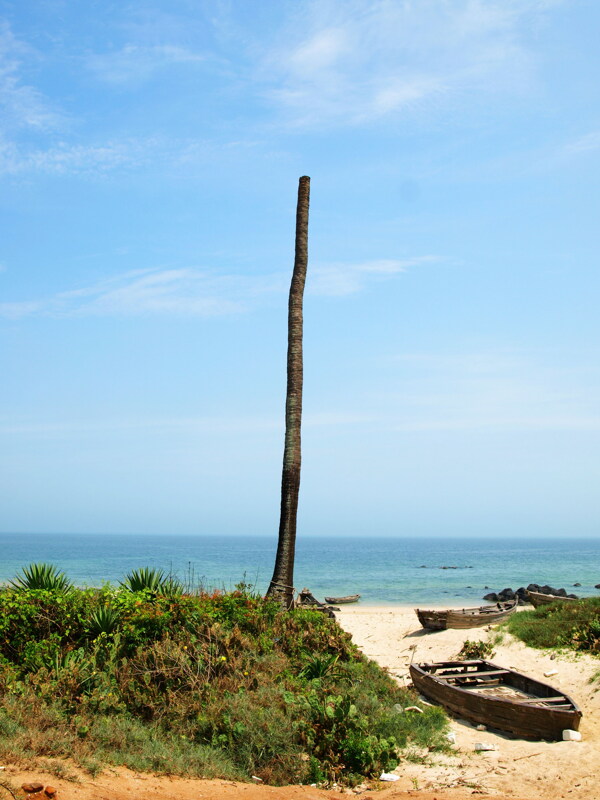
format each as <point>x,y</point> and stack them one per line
<point>42,576</point>
<point>104,619</point>
<point>155,581</point>
<point>320,666</point>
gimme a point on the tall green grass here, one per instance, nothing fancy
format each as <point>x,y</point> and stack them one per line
<point>574,626</point>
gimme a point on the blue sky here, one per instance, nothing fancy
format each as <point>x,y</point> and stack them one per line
<point>149,159</point>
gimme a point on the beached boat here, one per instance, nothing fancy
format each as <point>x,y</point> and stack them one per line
<point>465,617</point>
<point>499,698</point>
<point>538,599</point>
<point>339,601</point>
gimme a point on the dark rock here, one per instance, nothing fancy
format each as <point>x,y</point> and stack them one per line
<point>423,566</point>
<point>486,587</point>
<point>506,594</point>
<point>448,567</point>
<point>50,791</point>
<point>33,787</point>
<point>576,584</point>
<point>521,595</point>
<point>573,596</point>
<point>492,596</point>
<point>597,586</point>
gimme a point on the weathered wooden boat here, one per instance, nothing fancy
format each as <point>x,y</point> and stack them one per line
<point>306,599</point>
<point>465,617</point>
<point>338,601</point>
<point>484,693</point>
<point>538,599</point>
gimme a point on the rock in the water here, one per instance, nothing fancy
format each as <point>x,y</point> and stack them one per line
<point>597,586</point>
<point>492,597</point>
<point>576,584</point>
<point>506,594</point>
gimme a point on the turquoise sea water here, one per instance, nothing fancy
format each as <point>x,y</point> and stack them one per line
<point>383,570</point>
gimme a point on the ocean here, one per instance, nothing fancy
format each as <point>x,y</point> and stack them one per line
<point>401,571</point>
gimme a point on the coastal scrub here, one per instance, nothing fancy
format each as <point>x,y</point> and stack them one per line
<point>572,626</point>
<point>213,685</point>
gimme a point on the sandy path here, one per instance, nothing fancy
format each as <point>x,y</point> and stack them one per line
<point>517,768</point>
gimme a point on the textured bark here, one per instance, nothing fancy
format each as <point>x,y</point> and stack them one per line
<point>282,582</point>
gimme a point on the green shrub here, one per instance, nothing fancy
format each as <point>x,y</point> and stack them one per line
<point>575,626</point>
<point>205,684</point>
<point>475,650</point>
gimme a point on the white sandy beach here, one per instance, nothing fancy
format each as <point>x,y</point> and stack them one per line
<point>392,636</point>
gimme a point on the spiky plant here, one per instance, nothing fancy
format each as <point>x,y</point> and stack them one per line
<point>171,587</point>
<point>320,666</point>
<point>42,576</point>
<point>145,579</point>
<point>104,619</point>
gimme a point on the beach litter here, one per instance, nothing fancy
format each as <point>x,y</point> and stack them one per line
<point>414,708</point>
<point>571,736</point>
<point>451,737</point>
<point>484,746</point>
<point>550,673</point>
<point>388,776</point>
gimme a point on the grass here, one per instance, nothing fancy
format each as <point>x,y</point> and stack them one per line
<point>565,626</point>
<point>213,685</point>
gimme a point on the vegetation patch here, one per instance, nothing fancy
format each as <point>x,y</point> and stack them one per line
<point>476,650</point>
<point>151,677</point>
<point>573,626</point>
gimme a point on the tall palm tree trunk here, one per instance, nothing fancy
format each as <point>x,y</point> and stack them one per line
<point>282,582</point>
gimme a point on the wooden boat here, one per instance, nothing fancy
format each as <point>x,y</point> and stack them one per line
<point>538,599</point>
<point>484,693</point>
<point>465,617</point>
<point>339,601</point>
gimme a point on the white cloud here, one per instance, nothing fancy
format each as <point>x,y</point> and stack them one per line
<point>495,390</point>
<point>358,61</point>
<point>348,278</point>
<point>191,291</point>
<point>73,159</point>
<point>583,144</point>
<point>175,291</point>
<point>21,105</point>
<point>134,64</point>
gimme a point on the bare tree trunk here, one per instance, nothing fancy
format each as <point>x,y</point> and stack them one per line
<point>282,582</point>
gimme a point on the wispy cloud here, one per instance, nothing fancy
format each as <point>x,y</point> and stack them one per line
<point>78,159</point>
<point>188,426</point>
<point>192,291</point>
<point>134,63</point>
<point>341,278</point>
<point>355,62</point>
<point>583,144</point>
<point>21,105</point>
<point>173,291</point>
<point>495,390</point>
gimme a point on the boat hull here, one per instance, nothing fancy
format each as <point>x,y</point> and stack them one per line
<point>338,601</point>
<point>538,599</point>
<point>544,716</point>
<point>465,617</point>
